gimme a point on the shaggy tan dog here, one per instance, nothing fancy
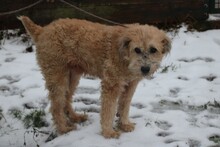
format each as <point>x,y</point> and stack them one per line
<point>119,56</point>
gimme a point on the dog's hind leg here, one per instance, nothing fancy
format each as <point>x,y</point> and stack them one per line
<point>57,83</point>
<point>74,77</point>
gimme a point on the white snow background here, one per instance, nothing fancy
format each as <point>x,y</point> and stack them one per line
<point>179,107</point>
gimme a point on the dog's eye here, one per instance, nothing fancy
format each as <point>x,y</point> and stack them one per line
<point>153,50</point>
<point>137,50</point>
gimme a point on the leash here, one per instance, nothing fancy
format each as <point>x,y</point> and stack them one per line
<point>93,15</point>
<point>21,9</point>
<point>67,3</point>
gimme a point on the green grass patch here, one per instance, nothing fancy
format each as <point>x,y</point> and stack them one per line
<point>1,115</point>
<point>16,113</point>
<point>215,139</point>
<point>167,68</point>
<point>35,119</point>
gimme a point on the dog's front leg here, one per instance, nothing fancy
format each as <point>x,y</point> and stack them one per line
<point>124,105</point>
<point>109,95</point>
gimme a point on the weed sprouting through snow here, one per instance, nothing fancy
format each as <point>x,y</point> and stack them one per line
<point>215,139</point>
<point>1,115</point>
<point>16,113</point>
<point>167,68</point>
<point>35,119</point>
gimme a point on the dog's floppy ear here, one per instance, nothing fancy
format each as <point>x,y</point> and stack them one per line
<point>166,45</point>
<point>124,42</point>
<point>123,47</point>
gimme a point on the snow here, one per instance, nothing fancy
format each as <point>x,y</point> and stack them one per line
<point>178,107</point>
<point>214,17</point>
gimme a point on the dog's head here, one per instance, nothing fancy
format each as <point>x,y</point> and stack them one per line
<point>143,47</point>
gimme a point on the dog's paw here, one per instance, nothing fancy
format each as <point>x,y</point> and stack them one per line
<point>129,127</point>
<point>65,129</point>
<point>111,134</point>
<point>80,118</point>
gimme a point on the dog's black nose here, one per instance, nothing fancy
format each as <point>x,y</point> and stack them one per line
<point>145,69</point>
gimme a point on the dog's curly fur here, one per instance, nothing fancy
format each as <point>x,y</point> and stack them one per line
<point>119,56</point>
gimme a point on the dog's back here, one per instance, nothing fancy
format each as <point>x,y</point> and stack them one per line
<point>79,40</point>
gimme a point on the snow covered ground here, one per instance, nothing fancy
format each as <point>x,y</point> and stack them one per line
<point>179,107</point>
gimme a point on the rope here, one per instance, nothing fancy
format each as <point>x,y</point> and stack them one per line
<point>16,11</point>
<point>93,15</point>
<point>71,5</point>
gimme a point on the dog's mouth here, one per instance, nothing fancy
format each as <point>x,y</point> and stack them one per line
<point>149,77</point>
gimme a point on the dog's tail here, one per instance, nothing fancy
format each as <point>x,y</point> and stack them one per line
<point>33,29</point>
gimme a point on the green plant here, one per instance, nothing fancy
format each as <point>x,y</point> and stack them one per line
<point>16,113</point>
<point>166,68</point>
<point>35,119</point>
<point>1,39</point>
<point>215,139</point>
<point>1,115</point>
<point>214,104</point>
